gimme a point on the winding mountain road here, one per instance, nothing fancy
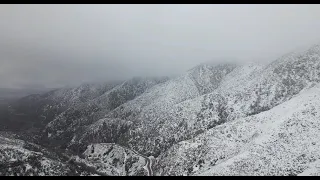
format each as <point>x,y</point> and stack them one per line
<point>148,159</point>
<point>149,166</point>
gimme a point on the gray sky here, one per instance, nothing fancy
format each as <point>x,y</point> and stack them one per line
<point>56,45</point>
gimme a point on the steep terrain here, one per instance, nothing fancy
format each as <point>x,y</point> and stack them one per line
<point>177,110</point>
<point>281,141</point>
<point>20,158</point>
<point>144,122</point>
<point>71,121</point>
<point>36,111</point>
<point>114,160</point>
<point>225,119</point>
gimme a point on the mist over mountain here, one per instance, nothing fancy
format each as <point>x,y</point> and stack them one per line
<point>159,90</point>
<point>63,45</point>
<point>16,93</point>
<point>208,121</point>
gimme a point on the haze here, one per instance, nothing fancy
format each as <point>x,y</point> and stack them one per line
<point>59,45</point>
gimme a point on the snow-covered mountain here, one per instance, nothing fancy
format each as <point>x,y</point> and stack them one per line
<point>20,158</point>
<point>281,141</point>
<point>216,119</point>
<point>114,160</point>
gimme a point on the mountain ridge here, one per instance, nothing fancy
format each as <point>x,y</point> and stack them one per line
<point>185,116</point>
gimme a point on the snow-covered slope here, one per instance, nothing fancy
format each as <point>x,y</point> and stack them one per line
<point>114,160</point>
<point>281,141</point>
<point>40,109</point>
<point>212,120</point>
<point>183,107</point>
<point>64,125</point>
<point>149,114</point>
<point>18,158</point>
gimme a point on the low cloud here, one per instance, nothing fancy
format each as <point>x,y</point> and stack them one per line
<point>57,45</point>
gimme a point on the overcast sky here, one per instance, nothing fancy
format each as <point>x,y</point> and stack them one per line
<point>56,45</point>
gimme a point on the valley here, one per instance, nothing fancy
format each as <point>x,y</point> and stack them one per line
<point>215,119</point>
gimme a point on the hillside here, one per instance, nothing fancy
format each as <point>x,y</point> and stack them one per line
<point>20,158</point>
<point>215,119</point>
